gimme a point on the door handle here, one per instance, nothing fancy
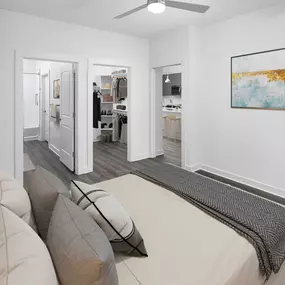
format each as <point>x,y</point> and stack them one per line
<point>44,111</point>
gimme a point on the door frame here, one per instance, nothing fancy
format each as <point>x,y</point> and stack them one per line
<point>80,165</point>
<point>111,63</point>
<point>153,124</point>
<point>43,98</point>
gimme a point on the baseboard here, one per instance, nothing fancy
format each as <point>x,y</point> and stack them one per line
<point>237,178</point>
<point>31,138</point>
<point>193,168</point>
<point>31,133</point>
<point>159,152</point>
<point>54,149</point>
<point>83,170</point>
<point>140,157</point>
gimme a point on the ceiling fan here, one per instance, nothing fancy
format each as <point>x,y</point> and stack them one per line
<point>159,6</point>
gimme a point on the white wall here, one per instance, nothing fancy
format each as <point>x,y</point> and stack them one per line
<point>35,66</point>
<point>247,143</point>
<point>169,48</point>
<point>42,66</point>
<point>28,34</point>
<point>29,66</point>
<point>30,89</point>
<point>172,69</point>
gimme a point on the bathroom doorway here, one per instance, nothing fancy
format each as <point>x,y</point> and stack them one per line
<point>167,83</point>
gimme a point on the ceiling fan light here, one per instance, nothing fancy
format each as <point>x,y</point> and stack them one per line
<point>156,8</point>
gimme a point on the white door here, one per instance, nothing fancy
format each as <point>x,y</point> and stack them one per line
<point>31,101</point>
<point>67,116</point>
<point>46,106</point>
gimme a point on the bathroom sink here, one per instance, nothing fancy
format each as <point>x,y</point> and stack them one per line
<point>172,108</point>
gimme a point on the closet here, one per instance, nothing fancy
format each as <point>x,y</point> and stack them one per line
<point>110,108</point>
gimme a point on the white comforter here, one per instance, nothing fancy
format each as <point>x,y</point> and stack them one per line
<point>185,245</point>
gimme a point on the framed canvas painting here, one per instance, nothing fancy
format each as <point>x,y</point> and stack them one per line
<point>56,89</point>
<point>258,80</point>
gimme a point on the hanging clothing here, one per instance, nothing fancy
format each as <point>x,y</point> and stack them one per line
<point>120,128</point>
<point>119,89</point>
<point>116,128</point>
<point>114,90</point>
<point>96,110</point>
<point>122,91</point>
<point>123,120</point>
<point>124,134</point>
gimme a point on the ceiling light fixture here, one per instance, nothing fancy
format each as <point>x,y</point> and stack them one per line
<point>159,6</point>
<point>156,7</point>
<point>167,79</point>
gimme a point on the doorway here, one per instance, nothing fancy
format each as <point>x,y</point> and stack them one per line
<point>168,91</point>
<point>110,113</point>
<point>49,113</point>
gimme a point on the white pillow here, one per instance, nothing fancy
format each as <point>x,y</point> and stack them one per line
<point>111,216</point>
<point>24,258</point>
<point>113,211</point>
<point>15,198</point>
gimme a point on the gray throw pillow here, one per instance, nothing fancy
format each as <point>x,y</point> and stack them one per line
<point>111,216</point>
<point>43,189</point>
<point>79,248</point>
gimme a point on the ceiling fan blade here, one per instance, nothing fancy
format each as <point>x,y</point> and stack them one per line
<point>131,11</point>
<point>187,6</point>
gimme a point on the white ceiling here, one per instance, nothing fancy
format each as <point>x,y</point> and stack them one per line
<point>99,13</point>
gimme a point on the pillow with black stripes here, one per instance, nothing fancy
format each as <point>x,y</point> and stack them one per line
<point>111,217</point>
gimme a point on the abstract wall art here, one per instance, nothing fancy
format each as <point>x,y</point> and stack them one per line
<point>258,80</point>
<point>56,89</point>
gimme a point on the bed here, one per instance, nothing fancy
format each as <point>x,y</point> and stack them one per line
<point>185,245</point>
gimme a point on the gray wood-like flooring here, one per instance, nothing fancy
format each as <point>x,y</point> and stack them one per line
<point>172,151</point>
<point>110,160</point>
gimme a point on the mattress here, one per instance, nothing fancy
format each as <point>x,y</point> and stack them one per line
<point>185,245</point>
